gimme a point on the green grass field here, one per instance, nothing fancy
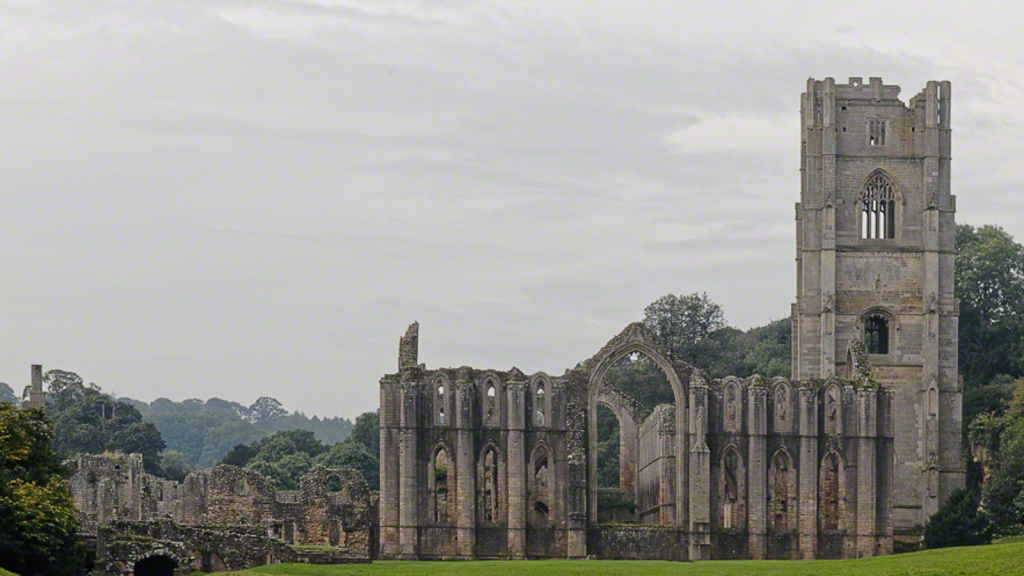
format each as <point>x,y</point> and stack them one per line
<point>982,560</point>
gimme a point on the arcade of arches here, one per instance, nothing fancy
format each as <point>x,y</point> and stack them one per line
<point>501,464</point>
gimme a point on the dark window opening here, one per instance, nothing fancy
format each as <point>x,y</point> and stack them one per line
<point>155,566</point>
<point>542,510</point>
<point>876,335</point>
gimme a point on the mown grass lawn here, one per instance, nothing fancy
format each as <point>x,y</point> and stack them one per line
<point>981,560</point>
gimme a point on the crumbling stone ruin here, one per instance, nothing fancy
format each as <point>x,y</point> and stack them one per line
<point>857,447</point>
<point>227,518</point>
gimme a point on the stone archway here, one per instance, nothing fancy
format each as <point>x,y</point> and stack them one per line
<point>629,414</point>
<point>637,338</point>
<point>156,565</point>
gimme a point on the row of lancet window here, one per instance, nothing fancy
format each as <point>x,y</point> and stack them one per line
<point>491,405</point>
<point>489,501</point>
<point>782,491</point>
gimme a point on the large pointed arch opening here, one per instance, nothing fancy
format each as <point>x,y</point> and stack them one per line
<point>654,503</point>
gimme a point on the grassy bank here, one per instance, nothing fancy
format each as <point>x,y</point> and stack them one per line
<point>982,560</point>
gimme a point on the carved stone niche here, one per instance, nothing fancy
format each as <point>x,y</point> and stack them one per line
<point>732,412</point>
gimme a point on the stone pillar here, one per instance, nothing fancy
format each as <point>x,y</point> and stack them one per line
<point>408,515</point>
<point>579,429</point>
<point>36,396</point>
<point>757,465</point>
<point>807,486</point>
<point>390,433</point>
<point>466,469</point>
<point>515,393</point>
<point>667,499</point>
<point>867,432</point>
<point>828,231</point>
<point>700,471</point>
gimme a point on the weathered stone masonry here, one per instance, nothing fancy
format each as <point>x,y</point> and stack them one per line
<point>863,442</point>
<point>226,518</point>
<point>875,263</point>
<point>736,468</point>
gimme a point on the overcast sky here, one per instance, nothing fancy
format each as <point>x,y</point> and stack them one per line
<point>247,198</point>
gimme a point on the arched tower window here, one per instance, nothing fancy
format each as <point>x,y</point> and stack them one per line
<point>876,334</point>
<point>878,209</point>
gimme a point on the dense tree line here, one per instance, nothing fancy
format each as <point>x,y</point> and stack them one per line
<point>204,431</point>
<point>287,455</point>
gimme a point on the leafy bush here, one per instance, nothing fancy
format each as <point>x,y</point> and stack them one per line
<point>959,522</point>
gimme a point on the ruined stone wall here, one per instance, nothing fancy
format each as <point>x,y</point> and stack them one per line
<point>746,468</point>
<point>113,487</point>
<point>656,442</point>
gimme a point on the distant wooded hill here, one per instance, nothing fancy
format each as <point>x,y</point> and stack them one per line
<point>205,431</point>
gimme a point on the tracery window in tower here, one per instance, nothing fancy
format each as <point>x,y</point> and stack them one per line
<point>876,334</point>
<point>878,209</point>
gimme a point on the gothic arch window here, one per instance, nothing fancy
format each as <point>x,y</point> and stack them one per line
<point>732,499</point>
<point>876,333</point>
<point>540,486</point>
<point>439,475</point>
<point>441,402</point>
<point>489,504</point>
<point>782,493</point>
<point>830,494</point>
<point>878,208</point>
<point>540,404</point>
<point>491,403</point>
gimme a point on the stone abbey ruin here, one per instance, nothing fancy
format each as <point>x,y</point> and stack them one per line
<point>855,451</point>
<point>850,455</point>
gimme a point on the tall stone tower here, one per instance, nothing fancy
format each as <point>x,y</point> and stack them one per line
<point>875,234</point>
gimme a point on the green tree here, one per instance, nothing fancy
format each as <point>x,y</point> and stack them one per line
<point>38,527</point>
<point>174,466</point>
<point>684,323</point>
<point>7,394</point>
<point>960,522</point>
<point>351,454</point>
<point>990,286</point>
<point>86,420</point>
